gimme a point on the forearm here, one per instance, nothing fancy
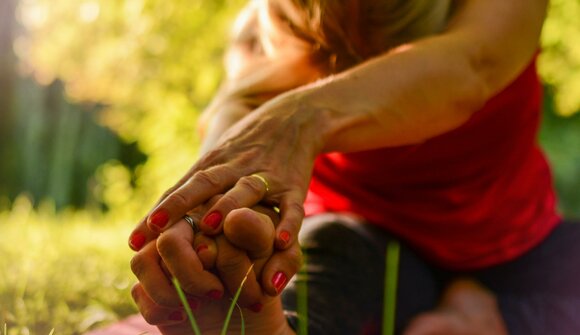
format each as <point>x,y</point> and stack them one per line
<point>254,74</point>
<point>405,97</point>
<point>425,88</point>
<point>219,116</point>
<point>242,95</point>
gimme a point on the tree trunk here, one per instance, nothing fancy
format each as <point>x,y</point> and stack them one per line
<point>7,83</point>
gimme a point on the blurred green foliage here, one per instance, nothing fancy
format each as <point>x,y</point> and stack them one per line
<point>560,138</point>
<point>560,58</point>
<point>153,64</point>
<point>53,148</point>
<point>67,270</point>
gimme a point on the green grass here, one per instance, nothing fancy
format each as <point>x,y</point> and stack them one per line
<point>233,305</point>
<point>390,290</point>
<point>185,304</point>
<point>302,299</point>
<point>68,272</point>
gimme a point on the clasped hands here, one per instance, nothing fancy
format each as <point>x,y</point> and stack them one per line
<point>278,143</point>
<point>211,268</point>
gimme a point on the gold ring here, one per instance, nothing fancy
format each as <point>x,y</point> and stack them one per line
<point>263,180</point>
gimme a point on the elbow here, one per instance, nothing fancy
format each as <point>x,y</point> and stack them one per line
<point>474,93</point>
<point>476,96</point>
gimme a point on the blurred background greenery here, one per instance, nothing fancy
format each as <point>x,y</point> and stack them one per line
<point>98,102</point>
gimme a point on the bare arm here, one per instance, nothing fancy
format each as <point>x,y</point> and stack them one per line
<point>405,96</point>
<point>427,87</point>
<point>254,75</point>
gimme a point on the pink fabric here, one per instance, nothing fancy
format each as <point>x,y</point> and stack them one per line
<point>133,325</point>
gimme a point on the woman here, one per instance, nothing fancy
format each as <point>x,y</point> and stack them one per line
<point>415,118</point>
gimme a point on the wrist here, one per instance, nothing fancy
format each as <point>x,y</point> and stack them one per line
<point>303,122</point>
<point>337,115</point>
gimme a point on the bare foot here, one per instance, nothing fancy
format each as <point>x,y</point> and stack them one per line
<point>466,308</point>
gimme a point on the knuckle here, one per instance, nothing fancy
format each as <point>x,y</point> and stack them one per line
<point>295,212</point>
<point>295,259</point>
<point>168,192</point>
<point>137,265</point>
<point>208,177</point>
<point>178,198</point>
<point>230,202</point>
<point>190,286</point>
<point>166,245</point>
<point>252,184</point>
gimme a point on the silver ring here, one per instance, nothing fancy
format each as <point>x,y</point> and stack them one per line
<point>192,223</point>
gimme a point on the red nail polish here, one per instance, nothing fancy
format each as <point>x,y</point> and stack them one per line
<point>213,220</point>
<point>137,241</point>
<point>256,308</point>
<point>285,236</point>
<point>215,294</point>
<point>279,280</point>
<point>176,316</point>
<point>159,219</point>
<point>193,303</point>
<point>201,248</point>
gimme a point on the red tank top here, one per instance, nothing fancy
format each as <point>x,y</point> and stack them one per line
<point>476,196</point>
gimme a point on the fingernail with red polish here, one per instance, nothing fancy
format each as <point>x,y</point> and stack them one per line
<point>284,236</point>
<point>176,316</point>
<point>256,308</point>
<point>193,303</point>
<point>215,294</point>
<point>137,241</point>
<point>159,219</point>
<point>201,248</point>
<point>213,220</point>
<point>279,280</point>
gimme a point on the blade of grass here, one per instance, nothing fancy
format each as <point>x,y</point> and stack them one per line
<point>390,292</point>
<point>185,304</point>
<point>302,299</point>
<point>235,301</point>
<point>51,332</point>
<point>242,321</point>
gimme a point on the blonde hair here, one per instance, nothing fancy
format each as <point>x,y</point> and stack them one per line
<point>343,33</point>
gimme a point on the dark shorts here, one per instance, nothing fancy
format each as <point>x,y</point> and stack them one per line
<point>539,293</point>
